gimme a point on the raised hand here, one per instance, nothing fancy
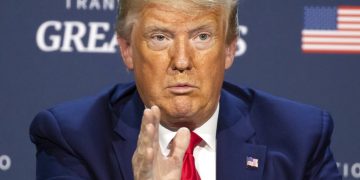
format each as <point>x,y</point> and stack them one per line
<point>148,162</point>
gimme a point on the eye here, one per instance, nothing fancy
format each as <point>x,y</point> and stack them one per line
<point>204,36</point>
<point>203,40</point>
<point>158,41</point>
<point>158,37</point>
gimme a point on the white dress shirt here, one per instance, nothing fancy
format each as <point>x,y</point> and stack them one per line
<point>204,153</point>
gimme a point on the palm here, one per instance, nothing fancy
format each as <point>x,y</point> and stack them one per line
<point>167,168</point>
<point>148,162</point>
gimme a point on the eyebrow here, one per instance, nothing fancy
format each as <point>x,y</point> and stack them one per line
<point>202,28</point>
<point>156,28</point>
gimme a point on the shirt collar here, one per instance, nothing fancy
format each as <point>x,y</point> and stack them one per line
<point>207,132</point>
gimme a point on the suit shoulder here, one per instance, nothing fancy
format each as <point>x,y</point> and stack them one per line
<point>267,110</point>
<point>79,109</point>
<point>261,98</point>
<point>265,99</point>
<point>76,110</point>
<point>81,117</point>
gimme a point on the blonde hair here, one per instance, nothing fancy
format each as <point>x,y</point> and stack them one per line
<point>129,9</point>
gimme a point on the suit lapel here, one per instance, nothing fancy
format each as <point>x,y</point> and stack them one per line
<point>127,120</point>
<point>236,141</point>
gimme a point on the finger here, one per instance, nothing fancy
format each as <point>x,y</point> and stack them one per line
<point>180,143</point>
<point>144,154</point>
<point>142,168</point>
<point>145,144</point>
<point>156,121</point>
<point>149,160</point>
<point>145,129</point>
<point>146,135</point>
<point>148,117</point>
<point>156,112</point>
<point>143,162</point>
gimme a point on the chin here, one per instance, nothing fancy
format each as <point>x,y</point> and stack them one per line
<point>177,117</point>
<point>180,113</point>
<point>183,109</point>
<point>175,123</point>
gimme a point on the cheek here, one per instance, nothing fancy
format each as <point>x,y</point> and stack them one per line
<point>150,63</point>
<point>150,71</point>
<point>212,71</point>
<point>149,76</point>
<point>212,64</point>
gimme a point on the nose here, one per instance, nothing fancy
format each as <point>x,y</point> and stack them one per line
<point>181,58</point>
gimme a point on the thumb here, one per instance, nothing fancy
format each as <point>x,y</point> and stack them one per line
<point>180,143</point>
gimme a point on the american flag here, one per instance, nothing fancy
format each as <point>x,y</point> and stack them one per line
<point>252,162</point>
<point>333,30</point>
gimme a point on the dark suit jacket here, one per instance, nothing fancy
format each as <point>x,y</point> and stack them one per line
<point>95,138</point>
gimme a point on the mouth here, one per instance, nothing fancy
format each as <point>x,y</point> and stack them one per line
<point>181,88</point>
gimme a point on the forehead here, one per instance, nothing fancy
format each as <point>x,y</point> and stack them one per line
<point>180,14</point>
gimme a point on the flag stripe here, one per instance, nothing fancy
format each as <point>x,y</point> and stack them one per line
<point>348,23</point>
<point>348,7</point>
<point>330,33</point>
<point>348,19</point>
<point>345,15</point>
<point>332,43</point>
<point>348,26</point>
<point>330,40</point>
<point>330,51</point>
<point>324,36</point>
<point>348,12</point>
<point>332,47</point>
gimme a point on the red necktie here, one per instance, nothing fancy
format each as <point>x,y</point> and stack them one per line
<point>188,170</point>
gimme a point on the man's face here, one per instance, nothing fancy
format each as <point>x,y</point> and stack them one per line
<point>179,57</point>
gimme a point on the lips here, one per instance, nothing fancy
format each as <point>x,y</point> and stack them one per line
<point>181,88</point>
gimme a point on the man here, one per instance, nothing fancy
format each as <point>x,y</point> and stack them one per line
<point>178,51</point>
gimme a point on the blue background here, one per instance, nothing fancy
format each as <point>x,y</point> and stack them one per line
<point>31,79</point>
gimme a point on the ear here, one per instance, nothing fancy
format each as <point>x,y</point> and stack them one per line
<point>126,52</point>
<point>230,53</point>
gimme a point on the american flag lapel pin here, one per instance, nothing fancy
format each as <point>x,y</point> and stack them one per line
<point>252,162</point>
